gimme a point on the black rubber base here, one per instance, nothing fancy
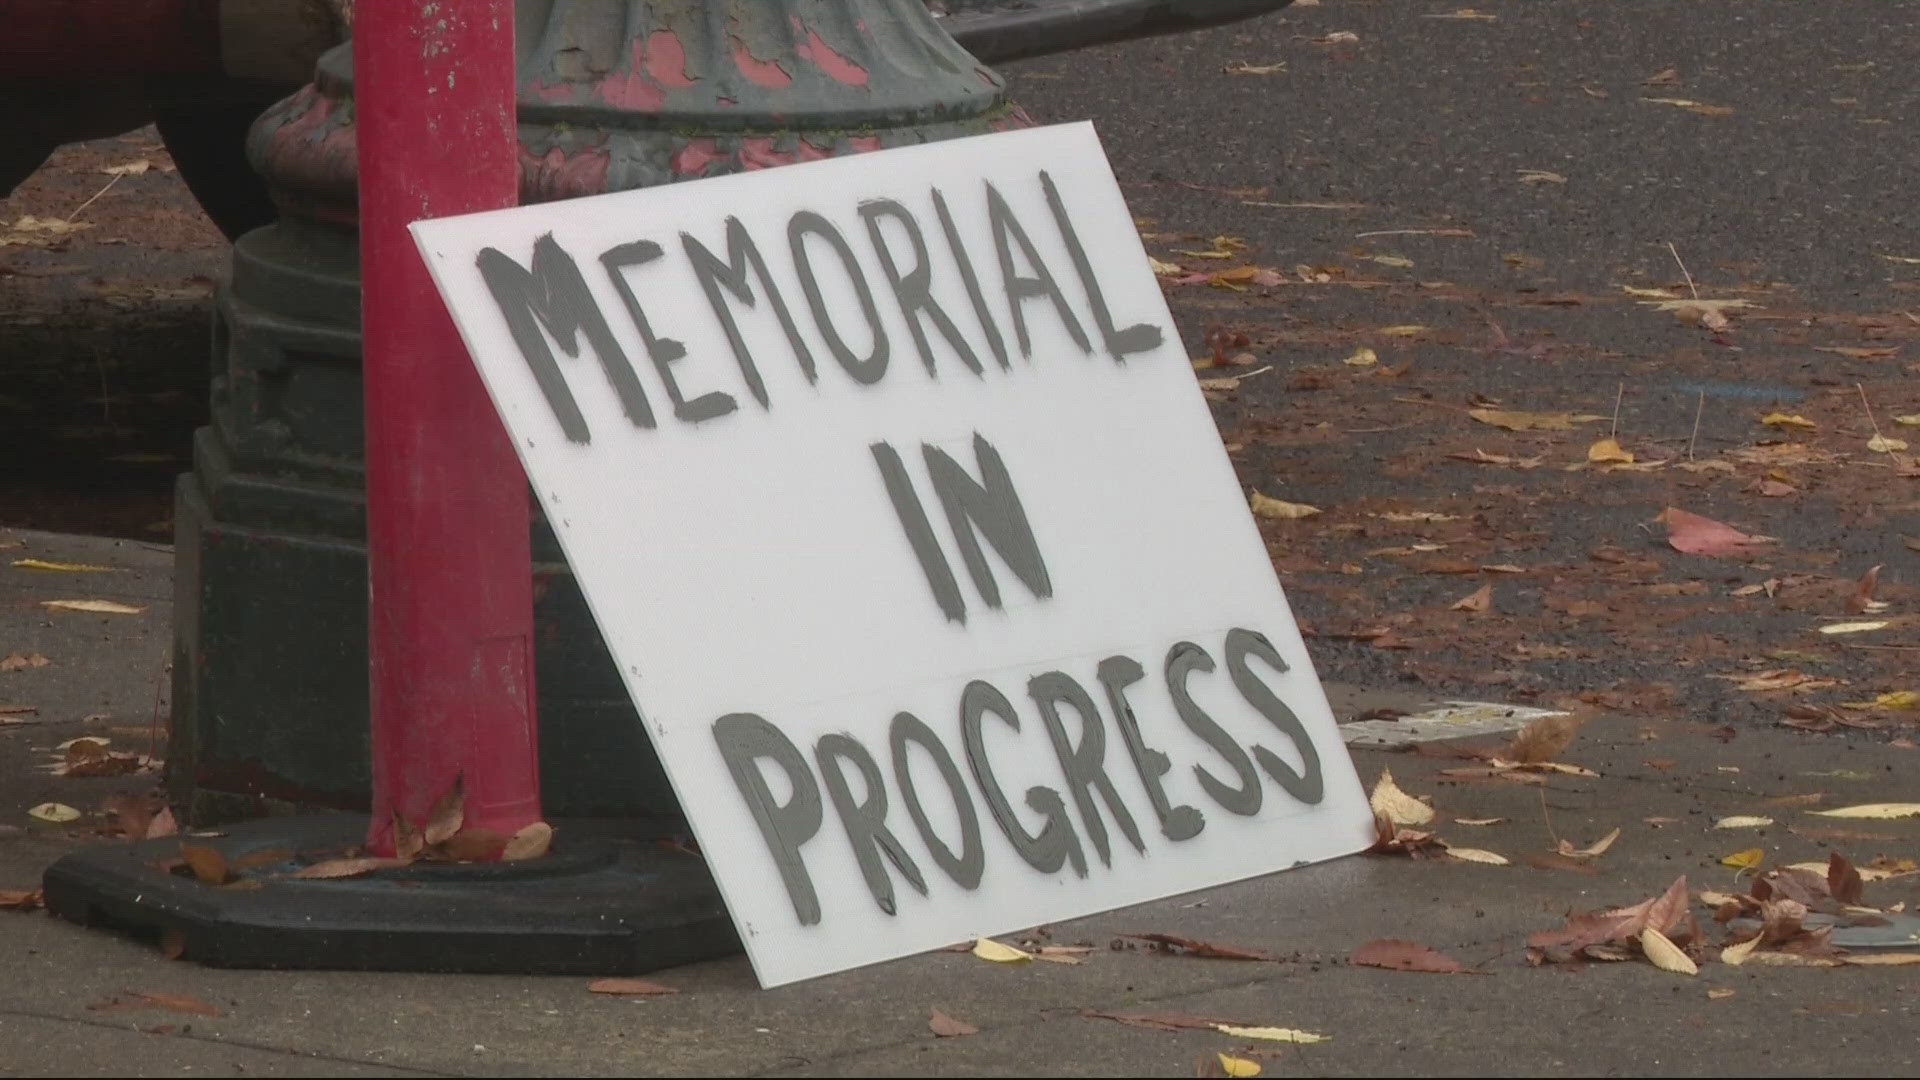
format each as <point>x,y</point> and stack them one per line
<point>592,906</point>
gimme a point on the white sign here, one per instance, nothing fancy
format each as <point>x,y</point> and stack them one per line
<point>890,486</point>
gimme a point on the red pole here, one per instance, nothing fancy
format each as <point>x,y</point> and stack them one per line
<point>450,589</point>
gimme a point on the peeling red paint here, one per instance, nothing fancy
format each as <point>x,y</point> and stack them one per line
<point>632,91</point>
<point>863,144</point>
<point>760,154</point>
<point>763,73</point>
<point>557,174</point>
<point>693,158</point>
<point>666,59</point>
<point>836,66</point>
<point>563,91</point>
<point>806,151</point>
<point>725,102</point>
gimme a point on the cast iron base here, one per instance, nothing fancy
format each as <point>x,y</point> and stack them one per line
<point>593,906</point>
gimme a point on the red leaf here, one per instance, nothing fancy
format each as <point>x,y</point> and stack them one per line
<point>20,899</point>
<point>1698,535</point>
<point>630,987</point>
<point>1843,881</point>
<point>947,1027</point>
<point>1396,955</point>
<point>1205,949</point>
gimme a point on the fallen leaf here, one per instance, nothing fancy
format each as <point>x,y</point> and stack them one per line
<point>447,813</point>
<point>1464,13</point>
<point>62,567</point>
<point>1161,1021</point>
<point>1395,806</point>
<point>1478,600</point>
<point>1651,294</point>
<point>1720,993</point>
<point>1696,535</point>
<point>1745,860</point>
<point>175,1002</point>
<point>1396,955</point>
<point>1743,821</point>
<point>1854,627</point>
<point>28,223</point>
<point>1691,106</point>
<point>1855,353</point>
<point>104,607</point>
<point>1479,821</point>
<point>1892,959</point>
<point>1780,419</point>
<point>1397,261</point>
<point>1164,269</point>
<point>1541,176</point>
<point>1894,699</point>
<point>1235,1066</point>
<point>1543,739</point>
<point>1241,67</point>
<point>353,867</point>
<point>17,662</point>
<point>1872,810</point>
<point>1268,507</point>
<point>131,168</point>
<point>989,949</point>
<point>1737,954</point>
<point>1485,458</point>
<point>56,813</point>
<point>629,988</point>
<point>1513,420</point>
<point>1205,949</point>
<point>1477,855</point>
<point>1664,954</point>
<point>947,1027</point>
<point>161,825</point>
<point>1591,851</point>
<point>1881,444</point>
<point>1271,1034</point>
<point>1361,357</point>
<point>208,865</point>
<point>21,899</point>
<point>1403,331</point>
<point>1608,450</point>
<point>467,845</point>
<point>530,842</point>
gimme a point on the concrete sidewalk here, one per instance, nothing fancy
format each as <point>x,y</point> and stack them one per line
<point>1506,1018</point>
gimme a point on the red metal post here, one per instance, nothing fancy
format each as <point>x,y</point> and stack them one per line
<point>449,575</point>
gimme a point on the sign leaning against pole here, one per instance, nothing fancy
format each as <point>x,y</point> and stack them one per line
<point>891,489</point>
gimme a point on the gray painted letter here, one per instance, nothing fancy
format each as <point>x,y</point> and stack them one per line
<point>865,821</point>
<point>913,289</point>
<point>868,369</point>
<point>964,868</point>
<point>991,506</point>
<point>744,739</point>
<point>971,280</point>
<point>1019,288</point>
<point>554,295</point>
<point>913,518</point>
<point>1309,787</point>
<point>742,255</point>
<point>662,351</point>
<point>1085,764</point>
<point>1176,822</point>
<point>1140,337</point>
<point>1056,843</point>
<point>1245,800</point>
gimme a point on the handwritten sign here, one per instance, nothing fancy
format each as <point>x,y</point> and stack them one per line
<point>890,487</point>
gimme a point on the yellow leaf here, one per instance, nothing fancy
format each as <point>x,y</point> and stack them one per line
<point>1514,420</point>
<point>1780,419</point>
<point>1403,331</point>
<point>54,812</point>
<point>1898,958</point>
<point>66,567</point>
<point>1269,507</point>
<point>1392,260</point>
<point>1855,627</point>
<point>1664,954</point>
<point>1395,805</point>
<point>989,949</point>
<point>1607,450</point>
<point>1361,357</point>
<point>1735,955</point>
<point>105,607</point>
<point>1234,1066</point>
<point>1591,851</point>
<point>1881,444</point>
<point>1910,419</point>
<point>1745,860</point>
<point>131,168</point>
<point>1469,854</point>
<point>1651,294</point>
<point>1163,269</point>
<point>1873,810</point>
<point>1271,1034</point>
<point>1720,993</point>
<point>1743,821</point>
<point>1897,699</point>
<point>29,223</point>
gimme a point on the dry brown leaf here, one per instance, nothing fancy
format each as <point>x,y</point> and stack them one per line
<point>1279,509</point>
<point>947,1027</point>
<point>21,899</point>
<point>530,842</point>
<point>467,845</point>
<point>1395,806</point>
<point>1477,855</point>
<point>1479,600</point>
<point>208,865</point>
<point>1543,739</point>
<point>1696,535</point>
<point>1591,851</point>
<point>407,841</point>
<point>17,662</point>
<point>1665,955</point>
<point>629,988</point>
<point>1206,949</point>
<point>447,813</point>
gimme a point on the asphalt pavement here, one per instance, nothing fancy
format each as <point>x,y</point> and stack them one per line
<point>1468,193</point>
